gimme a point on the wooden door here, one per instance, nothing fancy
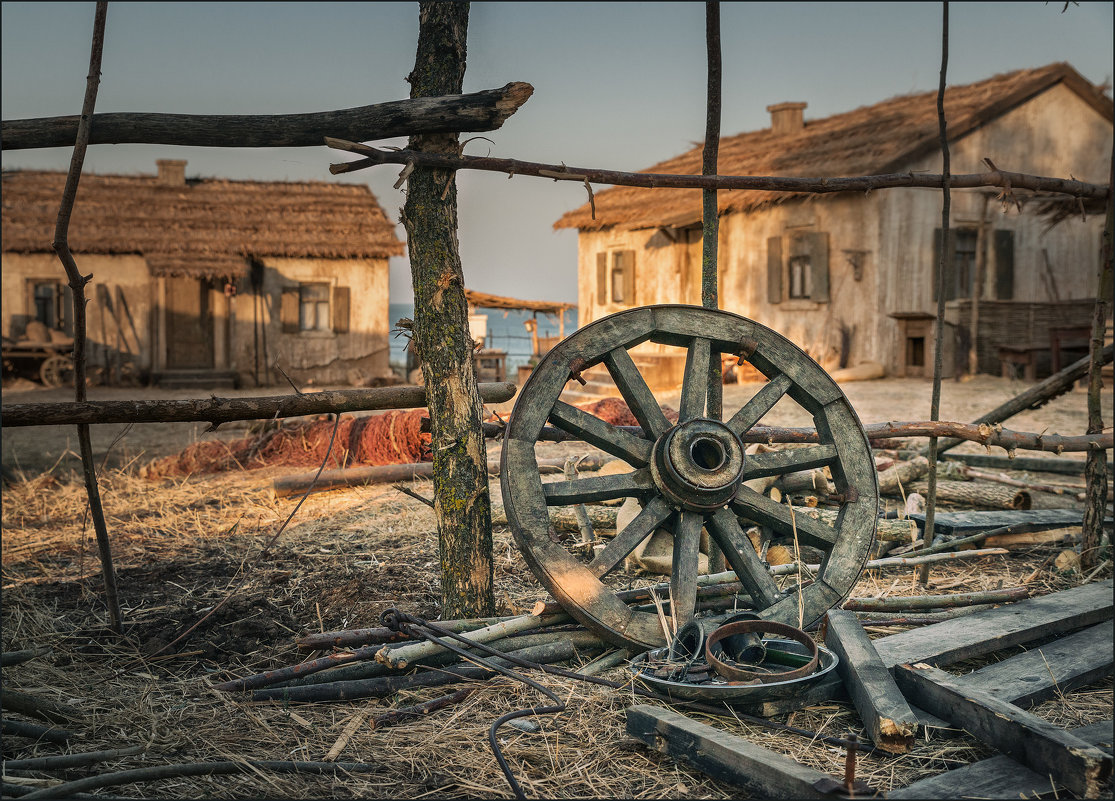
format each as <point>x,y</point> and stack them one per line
<point>189,324</point>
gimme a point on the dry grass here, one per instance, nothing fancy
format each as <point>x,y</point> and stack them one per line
<point>347,556</point>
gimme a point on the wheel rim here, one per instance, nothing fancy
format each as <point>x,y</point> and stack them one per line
<point>688,476</point>
<point>56,370</point>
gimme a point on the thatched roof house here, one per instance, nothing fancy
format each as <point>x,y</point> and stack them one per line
<point>643,245</point>
<point>207,242</point>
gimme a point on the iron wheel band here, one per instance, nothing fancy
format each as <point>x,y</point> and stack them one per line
<point>736,674</point>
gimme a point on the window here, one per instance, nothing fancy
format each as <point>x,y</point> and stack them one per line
<point>615,278</point>
<point>801,283</point>
<point>313,308</point>
<point>960,275</point>
<point>50,304</point>
<point>798,261</point>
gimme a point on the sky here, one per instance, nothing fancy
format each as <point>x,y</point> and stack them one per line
<point>616,86</point>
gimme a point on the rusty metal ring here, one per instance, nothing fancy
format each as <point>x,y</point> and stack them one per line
<point>736,674</point>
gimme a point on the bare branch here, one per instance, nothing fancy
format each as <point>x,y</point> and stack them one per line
<point>864,183</point>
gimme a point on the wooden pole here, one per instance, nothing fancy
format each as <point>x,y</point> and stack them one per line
<point>710,223</point>
<point>441,333</point>
<point>479,111</point>
<point>943,270</point>
<point>77,283</point>
<point>1095,472</point>
<point>977,287</point>
<point>762,183</point>
<point>217,410</point>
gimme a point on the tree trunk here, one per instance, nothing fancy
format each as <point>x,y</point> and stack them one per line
<point>1095,472</point>
<point>441,333</point>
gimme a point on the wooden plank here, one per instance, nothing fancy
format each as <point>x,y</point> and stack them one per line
<point>999,776</point>
<point>1041,746</point>
<point>889,721</point>
<point>1041,673</point>
<point>994,629</point>
<point>725,757</point>
<point>953,523</point>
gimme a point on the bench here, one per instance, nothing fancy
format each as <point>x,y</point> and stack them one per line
<point>1024,356</point>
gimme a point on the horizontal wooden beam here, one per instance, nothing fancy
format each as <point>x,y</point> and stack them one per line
<point>1037,744</point>
<point>587,175</point>
<point>1047,670</point>
<point>478,111</point>
<point>223,410</point>
<point>725,757</point>
<point>994,629</point>
<point>998,776</point>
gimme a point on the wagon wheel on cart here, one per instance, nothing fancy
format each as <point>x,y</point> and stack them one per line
<point>57,370</point>
<point>688,475</point>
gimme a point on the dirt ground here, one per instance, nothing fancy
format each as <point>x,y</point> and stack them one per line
<point>182,545</point>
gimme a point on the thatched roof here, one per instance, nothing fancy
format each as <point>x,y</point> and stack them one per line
<point>204,227</point>
<point>883,138</point>
<point>483,300</point>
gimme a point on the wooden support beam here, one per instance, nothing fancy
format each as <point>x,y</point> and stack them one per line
<point>1042,672</point>
<point>725,757</point>
<point>223,410</point>
<point>1041,746</point>
<point>885,714</point>
<point>999,776</point>
<point>478,111</point>
<point>992,630</point>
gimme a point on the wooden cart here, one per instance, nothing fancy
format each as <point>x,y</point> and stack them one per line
<point>51,362</point>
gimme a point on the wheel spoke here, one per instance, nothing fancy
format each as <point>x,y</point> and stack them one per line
<point>598,488</point>
<point>605,436</point>
<point>762,402</point>
<point>755,506</point>
<point>655,514</point>
<point>683,573</point>
<point>755,578</point>
<point>636,393</point>
<point>694,388</point>
<point>788,460</point>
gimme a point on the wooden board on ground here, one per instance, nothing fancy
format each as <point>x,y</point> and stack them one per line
<point>950,523</point>
<point>725,757</point>
<point>994,629</point>
<point>1036,743</point>
<point>1056,667</point>
<point>999,776</point>
<point>889,721</point>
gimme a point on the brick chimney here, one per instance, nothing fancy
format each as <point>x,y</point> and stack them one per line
<point>172,172</point>
<point>786,118</point>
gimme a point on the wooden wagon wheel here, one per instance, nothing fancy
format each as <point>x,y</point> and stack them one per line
<point>688,475</point>
<point>56,371</point>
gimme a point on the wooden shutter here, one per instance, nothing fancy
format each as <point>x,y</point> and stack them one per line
<point>601,279</point>
<point>288,309</point>
<point>1004,265</point>
<point>819,264</point>
<point>341,296</point>
<point>774,269</point>
<point>950,265</point>
<point>626,259</point>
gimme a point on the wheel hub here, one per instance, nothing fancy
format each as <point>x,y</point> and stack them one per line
<point>698,464</point>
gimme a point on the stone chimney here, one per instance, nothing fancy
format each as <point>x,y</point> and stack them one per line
<point>786,118</point>
<point>172,172</point>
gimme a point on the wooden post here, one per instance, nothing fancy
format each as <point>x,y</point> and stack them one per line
<point>943,269</point>
<point>977,286</point>
<point>441,333</point>
<point>1096,470</point>
<point>885,714</point>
